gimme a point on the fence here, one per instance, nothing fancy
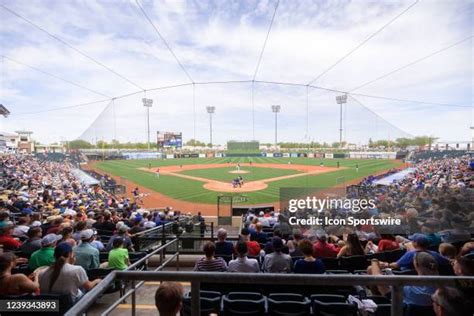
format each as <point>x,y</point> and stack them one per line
<point>397,283</point>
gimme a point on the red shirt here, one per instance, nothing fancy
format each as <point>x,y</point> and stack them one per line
<point>387,244</point>
<point>253,248</point>
<point>324,250</point>
<point>9,242</point>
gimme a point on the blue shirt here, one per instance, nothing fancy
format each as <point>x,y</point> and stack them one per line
<point>406,261</point>
<point>309,267</point>
<point>418,295</point>
<point>225,248</point>
<point>87,256</point>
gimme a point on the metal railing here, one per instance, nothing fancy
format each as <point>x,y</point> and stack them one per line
<point>196,278</point>
<point>111,278</point>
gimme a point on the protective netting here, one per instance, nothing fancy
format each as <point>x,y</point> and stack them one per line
<point>242,112</point>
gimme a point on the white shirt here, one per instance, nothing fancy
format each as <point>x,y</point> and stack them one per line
<point>243,265</point>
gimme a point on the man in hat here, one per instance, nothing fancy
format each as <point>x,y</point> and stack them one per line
<point>6,238</point>
<point>122,233</point>
<point>323,249</point>
<point>87,256</point>
<point>419,242</point>
<point>45,255</point>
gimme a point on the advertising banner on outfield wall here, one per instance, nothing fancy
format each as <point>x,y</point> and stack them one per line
<point>339,155</point>
<point>294,155</point>
<point>318,155</point>
<point>277,155</point>
<point>202,155</point>
<point>209,155</point>
<point>269,155</point>
<point>310,155</point>
<point>169,156</point>
<point>219,155</point>
<point>327,155</point>
<point>303,155</point>
<point>373,155</point>
<point>286,155</point>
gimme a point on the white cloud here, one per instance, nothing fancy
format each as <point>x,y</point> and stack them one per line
<point>219,41</point>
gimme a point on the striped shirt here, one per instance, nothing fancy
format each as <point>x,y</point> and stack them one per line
<point>215,264</point>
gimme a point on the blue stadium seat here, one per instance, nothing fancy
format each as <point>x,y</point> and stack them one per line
<point>210,303</point>
<point>332,305</point>
<point>331,263</point>
<point>288,304</point>
<point>244,303</point>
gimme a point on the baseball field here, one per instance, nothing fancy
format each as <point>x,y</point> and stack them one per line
<point>198,181</point>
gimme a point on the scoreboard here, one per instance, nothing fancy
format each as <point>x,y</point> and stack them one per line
<point>169,140</point>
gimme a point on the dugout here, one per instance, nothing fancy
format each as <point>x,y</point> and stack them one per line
<point>243,209</point>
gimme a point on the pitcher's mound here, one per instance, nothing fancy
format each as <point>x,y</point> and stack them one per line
<point>227,187</point>
<point>238,171</point>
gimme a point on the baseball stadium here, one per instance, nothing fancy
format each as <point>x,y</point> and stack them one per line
<point>266,157</point>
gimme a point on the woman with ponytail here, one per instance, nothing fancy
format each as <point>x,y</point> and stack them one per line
<point>63,277</point>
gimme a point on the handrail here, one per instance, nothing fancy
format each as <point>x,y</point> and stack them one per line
<point>397,283</point>
<point>154,252</point>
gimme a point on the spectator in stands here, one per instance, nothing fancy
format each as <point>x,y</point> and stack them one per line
<point>45,255</point>
<point>209,262</point>
<point>107,227</point>
<point>387,242</point>
<point>283,226</point>
<point>419,243</point>
<point>463,266</point>
<point>308,265</point>
<point>66,234</point>
<point>80,226</point>
<point>122,233</point>
<point>323,249</point>
<point>15,284</point>
<point>352,247</point>
<point>277,262</point>
<point>63,277</point>
<point>21,228</point>
<point>33,242</point>
<point>149,223</point>
<point>293,245</point>
<point>252,246</point>
<point>97,243</point>
<point>86,255</point>
<point>243,263</point>
<point>259,236</point>
<point>449,301</point>
<point>425,264</point>
<point>118,257</point>
<point>447,250</point>
<point>430,228</point>
<point>6,238</point>
<point>136,228</point>
<point>169,298</point>
<point>223,247</point>
<point>55,227</point>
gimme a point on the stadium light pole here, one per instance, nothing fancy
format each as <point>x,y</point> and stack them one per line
<point>340,99</point>
<point>148,103</point>
<point>276,109</point>
<point>210,110</point>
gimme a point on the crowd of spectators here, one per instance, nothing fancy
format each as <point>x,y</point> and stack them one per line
<point>54,228</point>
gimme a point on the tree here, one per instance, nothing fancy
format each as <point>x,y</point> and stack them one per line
<point>80,144</point>
<point>194,142</point>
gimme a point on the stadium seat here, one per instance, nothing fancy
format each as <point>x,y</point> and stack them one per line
<point>288,304</point>
<point>405,272</point>
<point>394,255</point>
<point>248,303</point>
<point>383,305</point>
<point>331,263</point>
<point>210,303</point>
<point>416,310</point>
<point>446,269</point>
<point>332,305</point>
<point>354,263</point>
<point>378,255</point>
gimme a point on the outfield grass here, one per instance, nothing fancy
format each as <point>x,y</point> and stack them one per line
<point>254,173</point>
<point>193,191</point>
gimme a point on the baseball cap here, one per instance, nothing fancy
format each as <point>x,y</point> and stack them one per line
<point>62,250</point>
<point>420,239</point>
<point>87,234</point>
<point>123,229</point>
<point>50,239</point>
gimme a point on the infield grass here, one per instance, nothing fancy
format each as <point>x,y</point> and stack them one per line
<point>193,191</point>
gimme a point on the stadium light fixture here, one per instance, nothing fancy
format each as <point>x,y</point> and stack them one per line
<point>210,110</point>
<point>276,109</point>
<point>340,99</point>
<point>148,104</point>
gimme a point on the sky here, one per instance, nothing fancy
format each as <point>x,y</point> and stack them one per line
<point>98,52</point>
